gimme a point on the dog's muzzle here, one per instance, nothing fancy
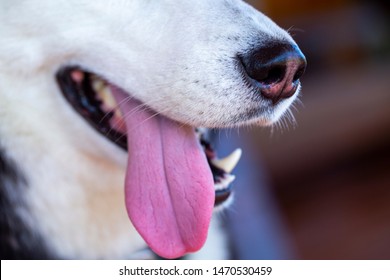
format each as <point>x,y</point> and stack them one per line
<point>90,96</point>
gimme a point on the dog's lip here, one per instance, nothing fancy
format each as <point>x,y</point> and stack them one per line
<point>77,88</point>
<point>78,91</point>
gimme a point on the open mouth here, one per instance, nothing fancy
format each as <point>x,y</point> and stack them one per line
<point>174,178</point>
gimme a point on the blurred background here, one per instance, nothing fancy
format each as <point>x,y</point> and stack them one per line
<point>320,188</point>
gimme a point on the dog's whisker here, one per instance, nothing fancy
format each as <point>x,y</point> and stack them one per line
<point>117,122</point>
<point>140,124</point>
<point>291,118</point>
<point>138,108</point>
<point>278,125</point>
<point>292,30</point>
<point>145,104</point>
<point>116,107</point>
<point>298,102</point>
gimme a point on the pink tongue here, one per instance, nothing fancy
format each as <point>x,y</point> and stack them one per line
<point>169,186</point>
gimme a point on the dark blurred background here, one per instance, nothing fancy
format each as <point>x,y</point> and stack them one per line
<point>320,189</point>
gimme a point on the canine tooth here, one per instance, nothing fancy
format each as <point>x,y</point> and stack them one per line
<point>228,163</point>
<point>97,84</point>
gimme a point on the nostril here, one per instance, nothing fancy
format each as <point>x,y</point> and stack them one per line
<point>300,72</point>
<point>275,69</point>
<point>269,75</point>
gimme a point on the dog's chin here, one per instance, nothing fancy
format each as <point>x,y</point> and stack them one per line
<point>274,115</point>
<point>91,97</point>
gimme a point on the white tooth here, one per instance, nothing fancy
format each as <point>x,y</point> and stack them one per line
<point>228,163</point>
<point>201,131</point>
<point>97,84</point>
<point>229,179</point>
<point>218,187</point>
<point>225,182</point>
<point>107,97</point>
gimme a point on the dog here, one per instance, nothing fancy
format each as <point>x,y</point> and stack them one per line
<point>103,154</point>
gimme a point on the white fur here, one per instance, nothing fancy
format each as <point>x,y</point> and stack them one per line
<point>176,56</point>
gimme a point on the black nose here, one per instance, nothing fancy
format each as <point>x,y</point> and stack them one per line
<point>275,69</point>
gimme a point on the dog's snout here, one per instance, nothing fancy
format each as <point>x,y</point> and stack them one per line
<point>275,69</point>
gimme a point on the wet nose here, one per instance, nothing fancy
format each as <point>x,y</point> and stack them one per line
<point>275,69</point>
